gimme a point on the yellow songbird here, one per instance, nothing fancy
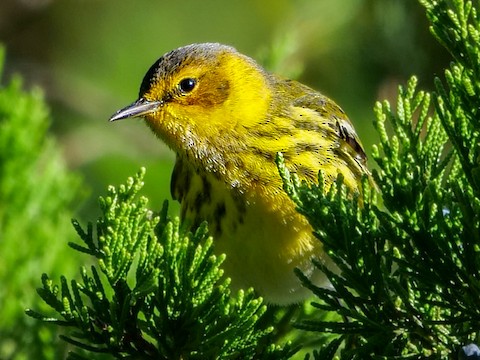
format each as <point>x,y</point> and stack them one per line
<point>226,118</point>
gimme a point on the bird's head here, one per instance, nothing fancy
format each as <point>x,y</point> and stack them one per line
<point>201,93</point>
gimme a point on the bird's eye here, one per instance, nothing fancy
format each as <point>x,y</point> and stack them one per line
<point>186,85</point>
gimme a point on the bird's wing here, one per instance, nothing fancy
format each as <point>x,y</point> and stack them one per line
<point>334,117</point>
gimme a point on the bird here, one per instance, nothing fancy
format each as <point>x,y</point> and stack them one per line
<point>226,118</point>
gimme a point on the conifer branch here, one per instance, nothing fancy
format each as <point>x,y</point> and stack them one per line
<point>407,283</point>
<point>159,293</point>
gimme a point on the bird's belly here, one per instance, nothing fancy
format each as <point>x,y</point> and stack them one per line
<point>264,251</point>
<point>264,239</point>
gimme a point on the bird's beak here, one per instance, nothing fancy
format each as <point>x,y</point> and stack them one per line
<point>138,108</point>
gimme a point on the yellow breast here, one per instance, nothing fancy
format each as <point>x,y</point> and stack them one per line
<point>264,238</point>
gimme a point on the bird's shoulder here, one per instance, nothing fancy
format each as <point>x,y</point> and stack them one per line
<point>325,114</point>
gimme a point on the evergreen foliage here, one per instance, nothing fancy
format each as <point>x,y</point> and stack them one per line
<point>156,293</point>
<point>36,194</point>
<point>408,256</point>
<point>407,279</point>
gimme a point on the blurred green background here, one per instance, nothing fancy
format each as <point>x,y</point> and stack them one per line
<point>89,57</point>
